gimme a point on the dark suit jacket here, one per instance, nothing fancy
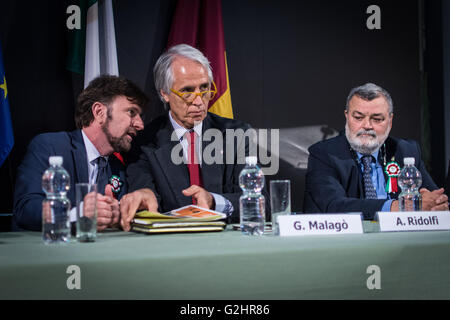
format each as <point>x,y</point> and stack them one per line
<point>28,193</point>
<point>154,169</point>
<point>334,181</point>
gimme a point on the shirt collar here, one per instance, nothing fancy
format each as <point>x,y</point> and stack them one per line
<point>181,131</point>
<point>375,155</point>
<point>91,151</point>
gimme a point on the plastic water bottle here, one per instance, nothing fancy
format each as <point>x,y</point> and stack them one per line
<point>56,206</point>
<point>409,180</point>
<point>252,202</point>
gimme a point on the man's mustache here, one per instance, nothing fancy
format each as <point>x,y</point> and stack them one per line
<point>131,132</point>
<point>367,132</point>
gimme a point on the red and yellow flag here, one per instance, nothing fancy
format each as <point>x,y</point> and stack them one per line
<point>198,23</point>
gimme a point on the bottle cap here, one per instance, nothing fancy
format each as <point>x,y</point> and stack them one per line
<point>409,161</point>
<point>252,160</point>
<point>55,160</point>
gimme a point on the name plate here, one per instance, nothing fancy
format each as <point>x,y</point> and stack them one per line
<point>414,220</point>
<point>319,224</point>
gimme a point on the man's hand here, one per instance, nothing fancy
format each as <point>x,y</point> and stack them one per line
<point>104,212</point>
<point>203,197</point>
<point>92,201</point>
<point>434,200</point>
<point>108,213</point>
<point>394,205</point>
<point>142,199</point>
<point>115,210</point>
<point>431,200</point>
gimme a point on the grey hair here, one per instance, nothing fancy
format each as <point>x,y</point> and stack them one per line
<point>369,92</point>
<point>163,73</point>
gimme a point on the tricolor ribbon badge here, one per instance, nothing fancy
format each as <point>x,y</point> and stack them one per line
<point>392,170</point>
<point>116,184</point>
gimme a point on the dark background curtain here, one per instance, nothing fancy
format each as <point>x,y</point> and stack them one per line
<point>291,64</point>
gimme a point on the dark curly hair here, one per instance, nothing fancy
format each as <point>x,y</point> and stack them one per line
<point>105,89</point>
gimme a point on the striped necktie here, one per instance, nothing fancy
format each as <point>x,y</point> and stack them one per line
<point>104,172</point>
<point>369,189</point>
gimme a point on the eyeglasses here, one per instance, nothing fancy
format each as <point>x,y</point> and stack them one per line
<point>189,97</point>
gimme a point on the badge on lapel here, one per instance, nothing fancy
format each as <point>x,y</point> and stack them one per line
<point>116,184</point>
<point>392,170</point>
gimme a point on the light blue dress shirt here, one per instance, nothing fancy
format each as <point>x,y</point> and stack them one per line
<point>378,180</point>
<point>92,155</point>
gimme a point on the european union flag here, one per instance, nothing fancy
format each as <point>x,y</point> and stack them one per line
<point>6,131</point>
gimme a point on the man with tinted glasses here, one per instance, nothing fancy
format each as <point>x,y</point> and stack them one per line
<point>355,171</point>
<point>184,81</point>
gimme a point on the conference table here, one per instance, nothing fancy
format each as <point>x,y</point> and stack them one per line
<point>228,265</point>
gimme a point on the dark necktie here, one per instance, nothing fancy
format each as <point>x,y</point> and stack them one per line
<point>103,174</point>
<point>369,189</point>
<point>193,165</point>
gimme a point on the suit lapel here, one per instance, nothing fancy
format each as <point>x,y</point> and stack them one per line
<point>79,157</point>
<point>391,151</point>
<point>212,173</point>
<point>355,171</point>
<point>177,175</point>
<point>118,170</point>
<point>392,155</point>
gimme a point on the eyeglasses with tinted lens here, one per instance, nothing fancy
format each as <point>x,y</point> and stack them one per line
<point>189,97</point>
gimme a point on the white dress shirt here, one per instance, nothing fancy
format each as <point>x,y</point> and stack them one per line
<point>222,204</point>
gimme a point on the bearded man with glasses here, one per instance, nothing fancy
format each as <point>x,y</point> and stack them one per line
<point>160,183</point>
<point>356,171</point>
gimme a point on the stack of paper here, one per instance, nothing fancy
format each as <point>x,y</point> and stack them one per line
<point>186,219</point>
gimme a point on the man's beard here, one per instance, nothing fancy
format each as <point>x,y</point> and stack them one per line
<point>366,147</point>
<point>119,144</point>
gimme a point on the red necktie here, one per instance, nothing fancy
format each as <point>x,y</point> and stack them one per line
<point>193,165</point>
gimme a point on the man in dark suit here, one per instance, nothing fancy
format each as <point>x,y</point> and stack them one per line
<point>172,171</point>
<point>108,118</point>
<point>349,173</point>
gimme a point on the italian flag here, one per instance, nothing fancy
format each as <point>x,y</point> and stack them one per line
<point>92,46</point>
<point>198,23</point>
